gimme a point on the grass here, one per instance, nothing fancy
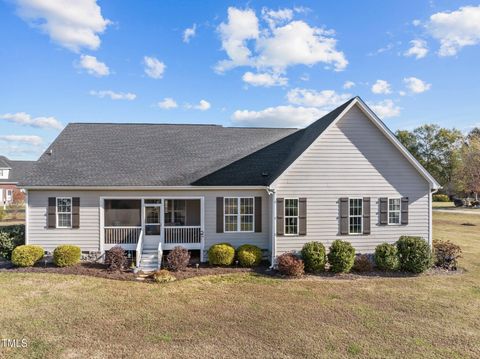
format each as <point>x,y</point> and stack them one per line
<point>247,315</point>
<point>10,217</point>
<point>443,205</point>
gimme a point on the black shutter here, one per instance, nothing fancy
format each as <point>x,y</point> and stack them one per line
<point>280,217</point>
<point>302,216</point>
<point>366,215</point>
<point>76,212</point>
<point>258,214</point>
<point>383,204</point>
<point>404,210</point>
<point>343,204</point>
<point>219,214</point>
<point>52,213</point>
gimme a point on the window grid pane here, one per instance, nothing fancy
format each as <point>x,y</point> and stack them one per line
<point>394,210</point>
<point>291,216</point>
<point>231,206</point>
<point>356,214</point>
<point>64,212</point>
<point>246,223</point>
<point>246,205</point>
<point>230,223</point>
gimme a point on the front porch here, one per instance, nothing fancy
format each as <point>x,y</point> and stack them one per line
<point>150,226</point>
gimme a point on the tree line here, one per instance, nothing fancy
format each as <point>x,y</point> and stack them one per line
<point>450,156</point>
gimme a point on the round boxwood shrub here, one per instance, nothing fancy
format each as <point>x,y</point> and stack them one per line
<point>314,257</point>
<point>66,255</point>
<point>341,256</point>
<point>386,257</point>
<point>27,255</point>
<point>249,255</point>
<point>414,254</point>
<point>221,254</point>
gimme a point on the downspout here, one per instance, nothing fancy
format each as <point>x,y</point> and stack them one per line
<point>273,227</point>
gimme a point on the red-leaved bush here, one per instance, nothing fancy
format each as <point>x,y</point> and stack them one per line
<point>178,259</point>
<point>289,264</point>
<point>116,259</point>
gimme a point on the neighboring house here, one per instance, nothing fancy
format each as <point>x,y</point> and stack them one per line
<point>10,173</point>
<point>151,187</point>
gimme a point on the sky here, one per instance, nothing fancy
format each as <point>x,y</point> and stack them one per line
<point>233,63</point>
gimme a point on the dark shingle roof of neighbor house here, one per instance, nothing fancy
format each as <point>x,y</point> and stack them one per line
<point>95,154</point>
<point>18,169</point>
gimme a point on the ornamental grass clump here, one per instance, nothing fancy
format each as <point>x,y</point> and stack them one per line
<point>446,254</point>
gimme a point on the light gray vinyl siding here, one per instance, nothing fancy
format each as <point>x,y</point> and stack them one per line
<point>353,159</point>
<point>88,235</point>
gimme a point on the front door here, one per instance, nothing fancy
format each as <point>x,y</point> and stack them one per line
<point>153,220</point>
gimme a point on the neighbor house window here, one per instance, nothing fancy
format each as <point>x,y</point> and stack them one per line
<point>291,216</point>
<point>9,194</point>
<point>3,173</point>
<point>64,212</point>
<point>355,216</point>
<point>238,214</point>
<point>394,211</point>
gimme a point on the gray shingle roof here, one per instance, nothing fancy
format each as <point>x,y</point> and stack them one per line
<point>18,169</point>
<point>93,154</point>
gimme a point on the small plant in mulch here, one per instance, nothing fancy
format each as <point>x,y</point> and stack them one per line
<point>289,264</point>
<point>178,259</point>
<point>116,259</point>
<point>446,254</point>
<point>162,276</point>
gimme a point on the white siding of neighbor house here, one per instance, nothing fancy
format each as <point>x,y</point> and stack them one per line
<point>353,159</point>
<point>88,235</point>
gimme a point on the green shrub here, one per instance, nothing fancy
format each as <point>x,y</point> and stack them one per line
<point>314,257</point>
<point>446,254</point>
<point>11,237</point>
<point>66,255</point>
<point>289,264</point>
<point>386,257</point>
<point>362,263</point>
<point>414,254</point>
<point>27,255</point>
<point>16,231</point>
<point>2,214</point>
<point>440,198</point>
<point>162,276</point>
<point>221,254</point>
<point>249,255</point>
<point>341,256</point>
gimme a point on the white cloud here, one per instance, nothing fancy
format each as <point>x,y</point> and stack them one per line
<point>154,68</point>
<point>418,49</point>
<point>455,29</point>
<point>325,99</point>
<point>280,116</point>
<point>416,85</point>
<point>32,140</point>
<point>93,66</point>
<point>189,33</point>
<point>114,95</point>
<point>202,106</point>
<point>348,85</point>
<point>168,103</point>
<point>385,109</point>
<point>25,119</point>
<point>282,44</point>
<point>381,87</point>
<point>264,79</point>
<point>72,24</point>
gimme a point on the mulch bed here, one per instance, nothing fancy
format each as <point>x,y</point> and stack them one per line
<point>99,270</point>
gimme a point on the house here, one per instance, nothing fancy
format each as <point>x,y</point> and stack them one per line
<point>10,173</point>
<point>151,187</point>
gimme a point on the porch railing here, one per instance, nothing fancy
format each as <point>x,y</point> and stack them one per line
<point>182,235</point>
<point>122,235</point>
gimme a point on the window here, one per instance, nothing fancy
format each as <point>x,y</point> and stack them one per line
<point>64,212</point>
<point>394,211</point>
<point>291,216</point>
<point>9,194</point>
<point>175,212</point>
<point>238,214</point>
<point>3,173</point>
<point>355,216</point>
<point>123,212</point>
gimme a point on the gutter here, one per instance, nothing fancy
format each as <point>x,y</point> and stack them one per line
<point>273,227</point>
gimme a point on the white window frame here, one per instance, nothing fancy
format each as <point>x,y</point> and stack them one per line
<point>57,213</point>
<point>399,211</point>
<point>355,216</point>
<point>285,216</point>
<point>9,195</point>
<point>239,215</point>
<point>4,173</point>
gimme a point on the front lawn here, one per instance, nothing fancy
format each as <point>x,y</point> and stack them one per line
<point>247,315</point>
